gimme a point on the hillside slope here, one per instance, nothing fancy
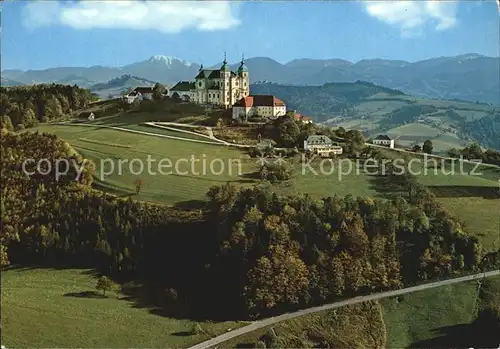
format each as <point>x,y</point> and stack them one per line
<point>375,109</point>
<point>116,86</point>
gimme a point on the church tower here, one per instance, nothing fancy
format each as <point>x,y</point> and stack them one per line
<point>243,78</point>
<point>225,75</point>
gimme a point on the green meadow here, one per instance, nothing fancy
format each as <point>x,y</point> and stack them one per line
<point>47,308</point>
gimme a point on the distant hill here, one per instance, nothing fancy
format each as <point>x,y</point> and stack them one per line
<point>8,82</point>
<point>486,130</point>
<point>470,77</point>
<point>117,86</point>
<point>69,75</point>
<point>374,109</point>
<point>322,102</point>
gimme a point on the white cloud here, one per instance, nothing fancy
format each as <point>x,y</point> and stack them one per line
<point>165,16</point>
<point>411,16</point>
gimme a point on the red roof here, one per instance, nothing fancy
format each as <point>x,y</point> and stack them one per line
<point>298,116</point>
<point>259,101</point>
<point>306,118</point>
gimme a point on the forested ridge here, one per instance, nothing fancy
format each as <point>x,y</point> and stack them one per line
<point>323,101</point>
<point>248,252</point>
<point>486,130</point>
<point>25,106</point>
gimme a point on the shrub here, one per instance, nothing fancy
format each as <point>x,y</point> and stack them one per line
<point>171,294</point>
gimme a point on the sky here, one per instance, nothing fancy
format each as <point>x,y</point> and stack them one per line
<point>44,34</point>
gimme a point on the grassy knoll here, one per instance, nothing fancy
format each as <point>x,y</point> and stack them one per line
<point>42,308</point>
<point>432,315</point>
<point>322,180</point>
<point>100,144</point>
<point>166,110</point>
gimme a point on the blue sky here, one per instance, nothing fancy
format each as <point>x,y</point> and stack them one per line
<point>43,34</point>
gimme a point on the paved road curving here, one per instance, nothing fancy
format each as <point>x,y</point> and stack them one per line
<point>273,320</point>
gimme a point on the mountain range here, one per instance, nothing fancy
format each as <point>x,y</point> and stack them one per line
<point>471,77</point>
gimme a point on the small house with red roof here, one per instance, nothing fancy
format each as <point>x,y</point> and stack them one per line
<point>140,93</point>
<point>266,106</point>
<point>304,119</point>
<point>146,92</point>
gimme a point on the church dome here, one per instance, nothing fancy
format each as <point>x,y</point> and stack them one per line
<point>225,66</point>
<point>243,67</point>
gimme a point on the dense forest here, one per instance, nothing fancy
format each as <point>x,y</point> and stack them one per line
<point>249,252</point>
<point>486,130</point>
<point>24,106</point>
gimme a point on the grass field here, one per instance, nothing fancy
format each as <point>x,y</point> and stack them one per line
<point>419,315</point>
<point>412,133</point>
<point>41,308</point>
<point>100,144</point>
<point>473,199</point>
<point>106,147</point>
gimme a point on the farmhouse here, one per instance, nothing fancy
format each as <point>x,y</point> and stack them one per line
<point>314,142</point>
<point>384,140</point>
<point>182,90</point>
<point>145,92</point>
<point>267,106</point>
<point>139,93</point>
<point>322,145</point>
<point>304,119</point>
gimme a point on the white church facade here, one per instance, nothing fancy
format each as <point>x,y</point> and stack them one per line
<point>220,87</point>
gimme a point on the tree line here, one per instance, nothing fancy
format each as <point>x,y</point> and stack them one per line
<point>475,152</point>
<point>25,106</point>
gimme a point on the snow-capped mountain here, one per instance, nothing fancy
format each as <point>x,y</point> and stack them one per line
<point>169,60</point>
<point>164,69</point>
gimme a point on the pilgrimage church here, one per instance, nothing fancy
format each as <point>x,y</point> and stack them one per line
<point>222,87</point>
